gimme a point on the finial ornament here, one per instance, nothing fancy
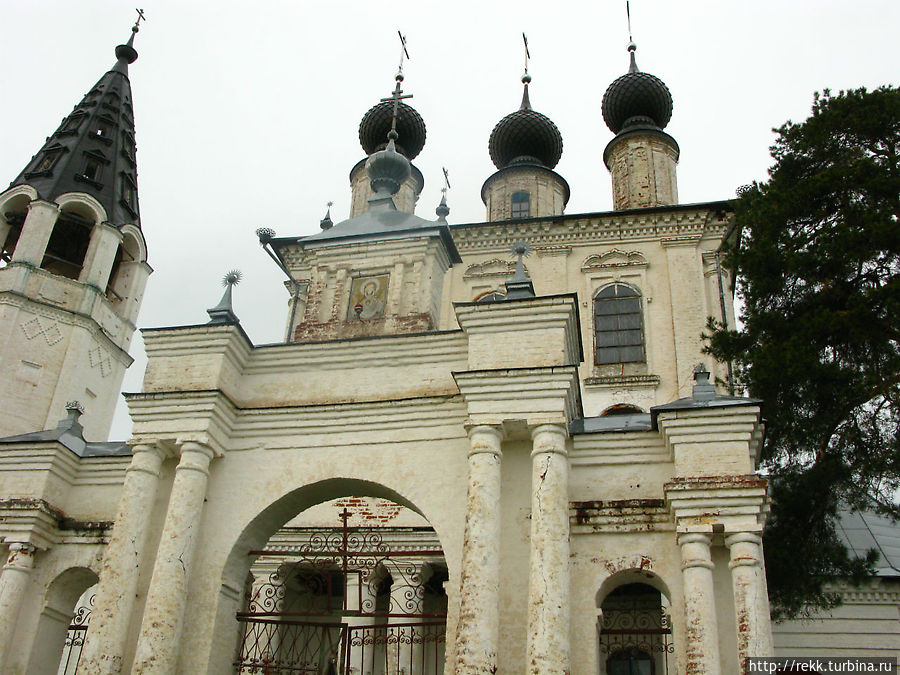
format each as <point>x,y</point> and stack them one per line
<point>632,47</point>
<point>397,95</point>
<point>520,286</point>
<point>75,406</point>
<point>265,235</point>
<point>140,18</point>
<point>526,78</point>
<point>223,312</point>
<point>403,52</point>
<point>443,210</point>
<point>232,278</point>
<point>326,223</point>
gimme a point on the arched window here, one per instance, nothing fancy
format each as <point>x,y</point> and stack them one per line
<point>521,205</point>
<point>618,325</point>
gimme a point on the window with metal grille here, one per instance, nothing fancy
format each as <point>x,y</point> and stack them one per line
<point>618,325</point>
<point>521,205</point>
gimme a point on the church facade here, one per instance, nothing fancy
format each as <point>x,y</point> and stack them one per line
<point>489,447</point>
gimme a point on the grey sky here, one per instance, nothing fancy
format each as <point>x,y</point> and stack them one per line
<point>248,116</point>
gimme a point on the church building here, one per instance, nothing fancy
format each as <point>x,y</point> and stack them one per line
<point>491,447</point>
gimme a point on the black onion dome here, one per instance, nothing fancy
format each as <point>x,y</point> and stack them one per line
<point>376,123</point>
<point>525,137</point>
<point>636,98</point>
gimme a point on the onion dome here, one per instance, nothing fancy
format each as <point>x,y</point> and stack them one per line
<point>525,137</point>
<point>636,99</point>
<point>376,123</point>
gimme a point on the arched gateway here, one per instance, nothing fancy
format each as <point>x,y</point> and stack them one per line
<point>411,483</point>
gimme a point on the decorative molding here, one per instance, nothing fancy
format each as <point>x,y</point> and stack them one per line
<point>614,258</point>
<point>615,381</point>
<point>490,268</point>
<point>547,251</point>
<point>34,327</point>
<point>100,359</point>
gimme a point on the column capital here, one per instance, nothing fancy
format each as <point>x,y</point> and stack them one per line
<point>695,550</point>
<point>544,430</point>
<point>478,445</point>
<point>743,538</point>
<point>17,549</point>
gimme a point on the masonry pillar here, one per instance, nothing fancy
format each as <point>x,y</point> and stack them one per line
<point>701,630</point>
<point>407,605</point>
<point>754,629</point>
<point>478,627</point>
<point>548,581</point>
<point>361,636</point>
<point>160,636</point>
<point>116,593</point>
<point>101,254</point>
<point>36,231</point>
<point>13,579</point>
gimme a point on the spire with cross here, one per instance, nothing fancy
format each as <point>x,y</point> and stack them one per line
<point>397,95</point>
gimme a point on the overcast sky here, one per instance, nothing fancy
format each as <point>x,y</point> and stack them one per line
<point>247,115</point>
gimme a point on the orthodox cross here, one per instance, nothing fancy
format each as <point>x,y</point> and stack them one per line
<point>628,14</point>
<point>403,51</point>
<point>446,181</point>
<point>397,94</point>
<point>527,53</point>
<point>140,17</point>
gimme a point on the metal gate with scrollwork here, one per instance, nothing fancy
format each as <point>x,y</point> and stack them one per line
<point>345,601</point>
<point>635,638</point>
<point>75,635</point>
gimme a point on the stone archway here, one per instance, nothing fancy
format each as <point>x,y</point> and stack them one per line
<point>340,585</point>
<point>634,625</point>
<point>51,638</point>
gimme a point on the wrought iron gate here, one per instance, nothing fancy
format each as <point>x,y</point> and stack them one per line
<point>75,635</point>
<point>344,602</point>
<point>636,639</point>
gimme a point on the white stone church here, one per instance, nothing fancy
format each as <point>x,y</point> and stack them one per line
<point>489,447</point>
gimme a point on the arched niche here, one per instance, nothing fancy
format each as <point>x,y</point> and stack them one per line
<point>67,247</point>
<point>63,594</point>
<point>634,625</point>
<point>128,273</point>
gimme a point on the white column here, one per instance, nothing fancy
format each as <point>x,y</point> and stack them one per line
<point>160,636</point>
<point>701,629</point>
<point>13,579</point>
<point>36,232</point>
<point>754,628</point>
<point>548,581</point>
<point>360,606</point>
<point>101,254</point>
<point>116,593</point>
<point>478,626</point>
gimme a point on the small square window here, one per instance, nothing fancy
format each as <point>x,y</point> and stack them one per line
<point>92,170</point>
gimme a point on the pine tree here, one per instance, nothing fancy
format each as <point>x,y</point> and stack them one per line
<point>817,264</point>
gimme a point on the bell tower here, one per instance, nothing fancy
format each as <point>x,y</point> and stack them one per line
<point>73,264</point>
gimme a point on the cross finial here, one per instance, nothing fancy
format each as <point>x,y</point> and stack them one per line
<point>527,53</point>
<point>140,18</point>
<point>403,51</point>
<point>628,14</point>
<point>397,95</point>
<point>446,180</point>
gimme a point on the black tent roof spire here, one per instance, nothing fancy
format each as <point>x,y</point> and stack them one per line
<point>93,150</point>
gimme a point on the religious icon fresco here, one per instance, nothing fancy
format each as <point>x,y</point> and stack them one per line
<point>368,297</point>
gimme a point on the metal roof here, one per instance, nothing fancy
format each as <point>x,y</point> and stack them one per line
<point>862,531</point>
